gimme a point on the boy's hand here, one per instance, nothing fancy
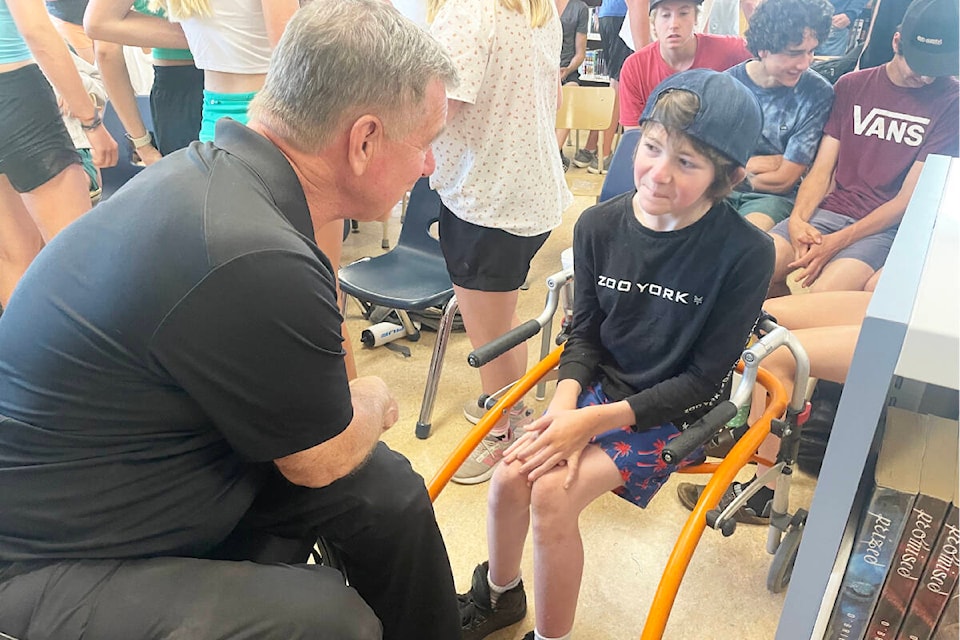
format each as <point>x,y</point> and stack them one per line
<point>555,439</point>
<point>816,258</point>
<point>803,236</point>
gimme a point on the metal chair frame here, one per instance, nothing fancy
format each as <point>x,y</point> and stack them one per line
<point>411,277</point>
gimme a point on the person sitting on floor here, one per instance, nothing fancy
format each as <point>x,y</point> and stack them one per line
<point>668,281</point>
<point>172,384</point>
<point>795,101</point>
<point>884,123</point>
<point>678,48</point>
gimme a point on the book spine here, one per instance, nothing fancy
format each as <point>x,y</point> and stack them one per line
<point>909,562</point>
<point>949,626</point>
<point>874,546</point>
<point>937,582</point>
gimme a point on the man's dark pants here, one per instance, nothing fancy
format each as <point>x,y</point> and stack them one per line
<point>379,518</point>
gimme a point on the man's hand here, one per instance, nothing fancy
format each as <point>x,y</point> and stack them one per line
<point>841,21</point>
<point>816,258</point>
<point>372,391</point>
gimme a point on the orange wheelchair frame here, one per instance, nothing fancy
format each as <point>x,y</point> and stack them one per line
<point>723,473</point>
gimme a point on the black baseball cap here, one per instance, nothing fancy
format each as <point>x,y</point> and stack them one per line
<point>729,118</point>
<point>928,37</point>
<point>655,3</point>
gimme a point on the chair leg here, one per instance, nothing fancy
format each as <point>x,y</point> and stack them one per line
<point>546,340</point>
<point>436,365</point>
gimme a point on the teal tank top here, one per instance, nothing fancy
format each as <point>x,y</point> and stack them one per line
<point>12,46</point>
<point>143,6</point>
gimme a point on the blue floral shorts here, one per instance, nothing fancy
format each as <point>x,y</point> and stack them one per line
<point>637,453</point>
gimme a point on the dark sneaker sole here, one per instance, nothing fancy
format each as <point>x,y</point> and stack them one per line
<point>689,496</point>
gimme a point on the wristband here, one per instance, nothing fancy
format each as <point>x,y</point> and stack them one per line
<point>93,125</point>
<point>142,141</point>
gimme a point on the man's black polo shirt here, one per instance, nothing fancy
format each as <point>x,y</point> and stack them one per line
<point>159,352</point>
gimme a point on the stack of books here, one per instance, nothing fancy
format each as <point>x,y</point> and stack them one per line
<point>900,582</point>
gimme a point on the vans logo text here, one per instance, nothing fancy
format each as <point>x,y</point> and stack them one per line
<point>890,126</point>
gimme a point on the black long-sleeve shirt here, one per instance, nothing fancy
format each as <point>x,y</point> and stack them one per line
<point>660,318</point>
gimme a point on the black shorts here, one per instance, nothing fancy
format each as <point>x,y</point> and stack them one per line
<point>176,105</point>
<point>485,259</point>
<point>34,144</point>
<point>615,50</point>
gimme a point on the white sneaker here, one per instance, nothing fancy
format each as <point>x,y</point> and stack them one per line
<point>481,463</point>
<point>479,466</point>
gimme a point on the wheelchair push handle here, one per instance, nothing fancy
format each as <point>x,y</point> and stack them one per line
<point>499,346</point>
<point>698,433</point>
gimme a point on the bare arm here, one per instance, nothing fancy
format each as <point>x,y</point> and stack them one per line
<point>579,55</point>
<point>374,411</point>
<point>115,21</point>
<point>116,78</point>
<point>816,185</point>
<point>773,174</point>
<point>887,214</point>
<point>53,57</point>
<point>276,15</point>
<point>639,22</point>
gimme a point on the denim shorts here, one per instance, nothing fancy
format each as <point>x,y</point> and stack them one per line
<point>872,250</point>
<point>34,144</point>
<point>637,453</point>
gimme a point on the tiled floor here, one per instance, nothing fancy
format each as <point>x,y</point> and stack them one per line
<point>723,594</point>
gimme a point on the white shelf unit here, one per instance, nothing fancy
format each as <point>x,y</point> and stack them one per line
<point>910,331</point>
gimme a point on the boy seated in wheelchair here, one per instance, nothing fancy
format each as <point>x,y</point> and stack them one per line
<point>669,281</point>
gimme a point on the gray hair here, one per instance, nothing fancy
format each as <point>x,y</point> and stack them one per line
<point>339,59</point>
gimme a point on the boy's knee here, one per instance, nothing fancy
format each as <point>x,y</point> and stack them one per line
<point>548,498</point>
<point>509,485</point>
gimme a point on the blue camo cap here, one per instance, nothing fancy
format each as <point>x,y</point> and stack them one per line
<point>729,118</point>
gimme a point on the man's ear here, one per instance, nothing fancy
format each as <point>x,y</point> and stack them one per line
<point>365,141</point>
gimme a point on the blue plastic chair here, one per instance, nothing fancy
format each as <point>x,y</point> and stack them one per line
<point>116,177</point>
<point>619,178</point>
<point>410,277</point>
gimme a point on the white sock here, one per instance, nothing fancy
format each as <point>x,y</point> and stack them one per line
<point>501,430</point>
<point>496,590</point>
<point>538,636</point>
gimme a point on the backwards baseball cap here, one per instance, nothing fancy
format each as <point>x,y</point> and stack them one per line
<point>729,118</point>
<point>928,37</point>
<point>655,3</point>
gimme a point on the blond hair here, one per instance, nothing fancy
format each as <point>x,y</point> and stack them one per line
<point>538,11</point>
<point>183,9</point>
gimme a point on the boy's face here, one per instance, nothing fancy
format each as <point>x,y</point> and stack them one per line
<point>785,67</point>
<point>674,22</point>
<point>671,177</point>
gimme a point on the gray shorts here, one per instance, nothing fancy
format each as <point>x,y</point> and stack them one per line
<point>872,250</point>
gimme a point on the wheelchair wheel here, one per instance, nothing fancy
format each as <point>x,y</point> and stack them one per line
<point>781,569</point>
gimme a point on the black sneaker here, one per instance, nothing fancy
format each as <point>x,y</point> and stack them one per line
<point>689,494</point>
<point>477,618</point>
<point>566,162</point>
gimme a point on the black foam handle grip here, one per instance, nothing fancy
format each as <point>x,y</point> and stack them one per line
<point>499,346</point>
<point>698,433</point>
